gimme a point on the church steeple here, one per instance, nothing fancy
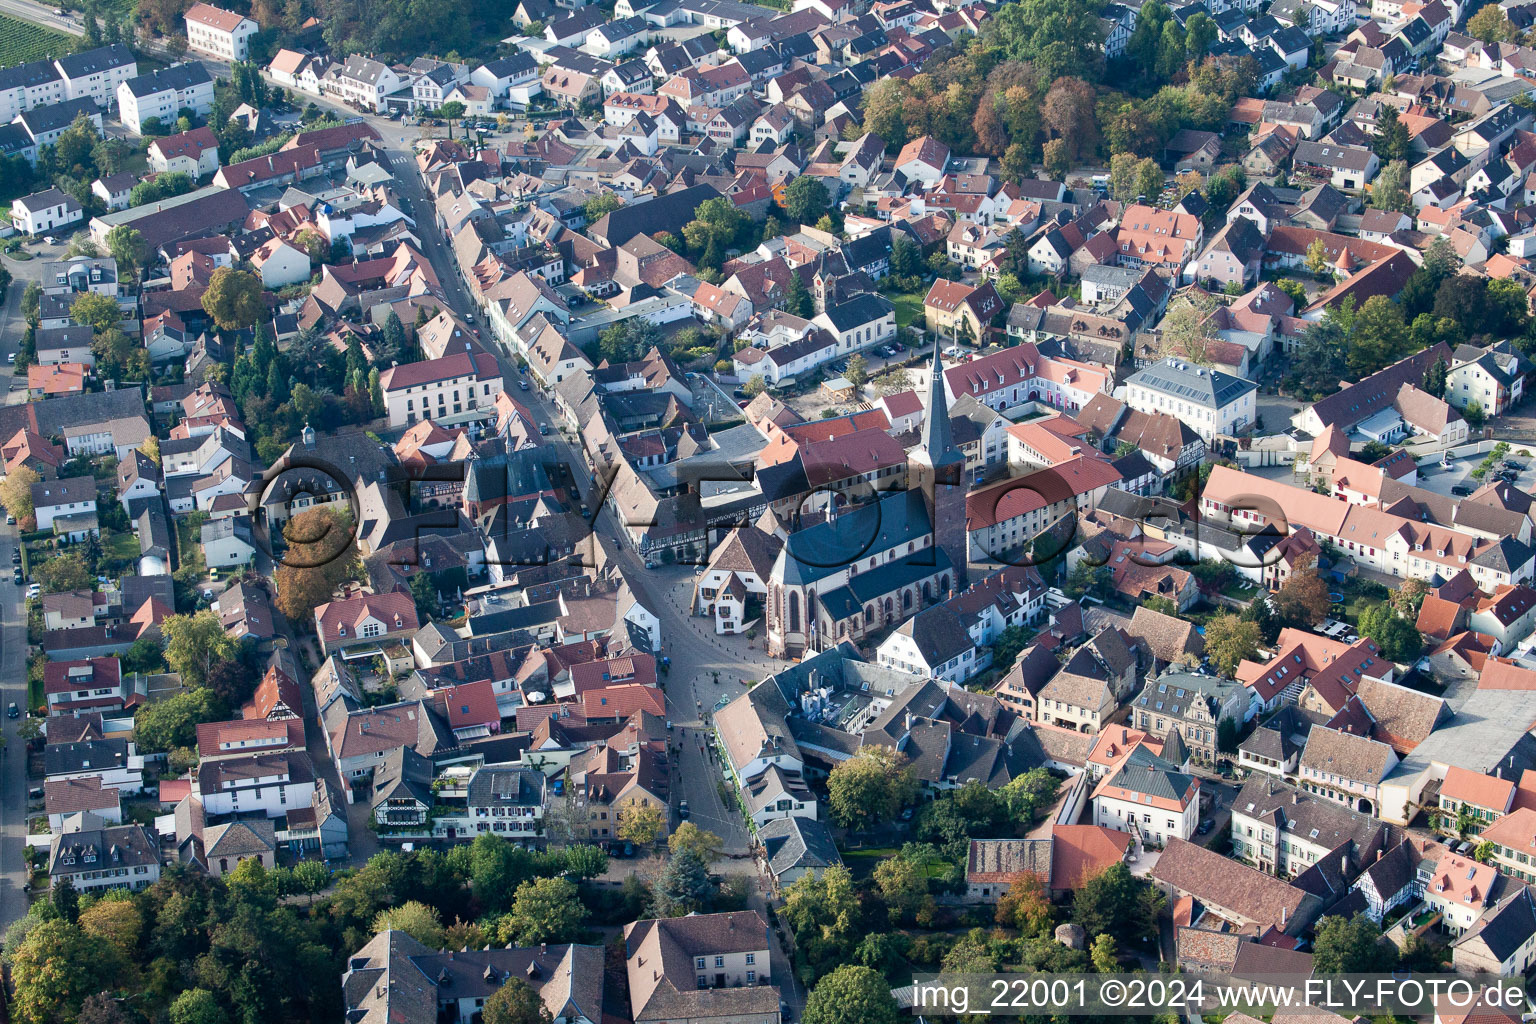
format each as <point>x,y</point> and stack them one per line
<point>938,445</point>
<point>936,467</point>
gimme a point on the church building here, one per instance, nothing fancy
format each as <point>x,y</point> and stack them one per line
<point>881,562</point>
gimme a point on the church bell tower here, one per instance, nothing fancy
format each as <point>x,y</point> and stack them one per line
<point>937,467</point>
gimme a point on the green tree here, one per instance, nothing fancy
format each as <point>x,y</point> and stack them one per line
<point>712,230</point>
<point>1474,415</point>
<point>1122,177</point>
<point>906,255</point>
<point>127,246</point>
<point>1390,189</point>
<point>54,970</point>
<point>1007,647</point>
<point>1149,179</point>
<point>416,919</point>
<point>1351,946</point>
<point>598,206</point>
<point>851,995</point>
<point>99,312</point>
<point>585,861</point>
<point>546,910</point>
<point>902,884</point>
<point>451,112</point>
<point>1434,378</point>
<point>824,911</point>
<point>1490,25</point>
<point>870,787</point>
<point>1392,141</point>
<point>1117,903</point>
<point>516,1002</point>
<point>641,824</point>
<point>683,887</point>
<point>858,371</point>
<point>704,843</point>
<point>806,199</point>
<point>195,644</point>
<point>1229,641</point>
<point>797,300</point>
<point>234,299</point>
<point>165,724</point>
<point>197,1006</point>
<point>1106,958</point>
<point>64,572</point>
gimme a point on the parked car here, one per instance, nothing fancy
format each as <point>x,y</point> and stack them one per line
<point>1206,826</point>
<point>16,557</point>
<point>12,711</point>
<point>1461,490</point>
<point>682,809</point>
<point>522,384</point>
<point>16,576</point>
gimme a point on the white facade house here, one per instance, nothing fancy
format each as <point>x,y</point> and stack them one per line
<point>164,95</point>
<point>437,388</point>
<point>280,263</point>
<point>29,85</point>
<point>1210,401</point>
<point>194,153</point>
<point>362,82</point>
<point>94,858</point>
<point>69,497</point>
<point>1147,797</point>
<point>271,784</point>
<point>97,73</point>
<point>42,212</point>
<point>219,33</point>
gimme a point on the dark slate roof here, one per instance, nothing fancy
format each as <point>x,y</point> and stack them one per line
<point>92,62</point>
<point>798,843</point>
<point>177,76</point>
<point>1508,926</point>
<point>1210,388</point>
<point>859,310</point>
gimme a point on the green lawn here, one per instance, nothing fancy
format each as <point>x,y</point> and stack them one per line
<point>121,546</point>
<point>909,308</point>
<point>189,544</point>
<point>21,41</point>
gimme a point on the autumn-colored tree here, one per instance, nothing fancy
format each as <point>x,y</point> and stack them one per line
<point>320,557</point>
<point>1188,331</point>
<point>1490,25</point>
<point>1027,906</point>
<point>1302,599</point>
<point>16,491</point>
<point>1317,258</point>
<point>641,824</point>
<point>1069,113</point>
<point>1057,161</point>
<point>234,299</point>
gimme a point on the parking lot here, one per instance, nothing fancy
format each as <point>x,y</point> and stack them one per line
<point>1456,479</point>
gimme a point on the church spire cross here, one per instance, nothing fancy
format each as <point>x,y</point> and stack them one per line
<point>938,438</point>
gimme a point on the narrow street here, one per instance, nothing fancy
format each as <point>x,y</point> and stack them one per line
<point>13,756</point>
